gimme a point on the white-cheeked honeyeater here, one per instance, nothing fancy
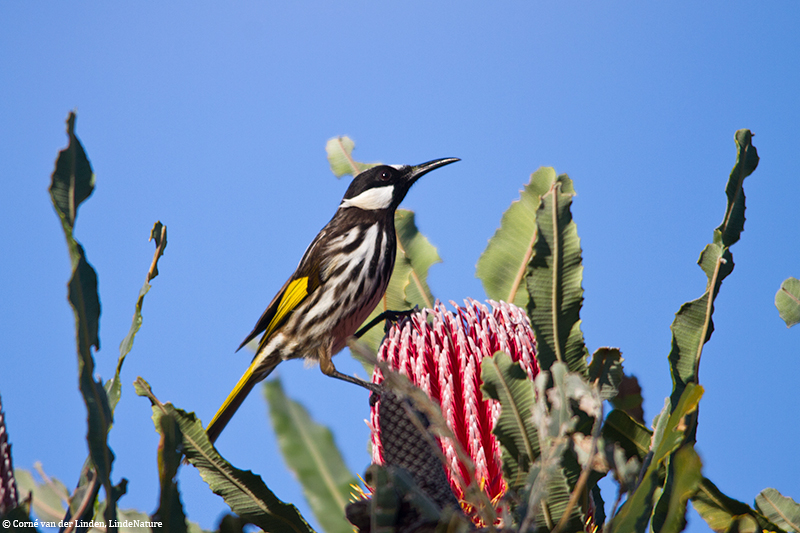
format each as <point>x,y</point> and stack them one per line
<point>338,282</point>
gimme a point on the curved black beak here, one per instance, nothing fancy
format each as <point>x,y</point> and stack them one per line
<point>420,170</point>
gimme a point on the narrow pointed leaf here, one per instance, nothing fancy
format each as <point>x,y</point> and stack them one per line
<point>787,300</point>
<point>693,324</point>
<point>502,265</point>
<point>687,469</point>
<point>506,381</point>
<point>310,452</point>
<point>730,230</point>
<point>340,157</point>
<point>782,511</point>
<point>635,513</point>
<point>72,183</point>
<point>114,385</point>
<point>243,491</point>
<point>724,514</point>
<point>554,279</point>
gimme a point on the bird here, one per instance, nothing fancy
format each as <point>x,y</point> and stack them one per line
<point>339,281</point>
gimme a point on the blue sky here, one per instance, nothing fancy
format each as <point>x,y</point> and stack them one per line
<point>213,119</point>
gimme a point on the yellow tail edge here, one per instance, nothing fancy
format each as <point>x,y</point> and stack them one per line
<point>233,401</point>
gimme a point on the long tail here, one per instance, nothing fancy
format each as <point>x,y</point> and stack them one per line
<point>235,399</point>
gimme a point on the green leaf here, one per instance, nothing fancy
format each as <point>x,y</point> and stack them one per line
<point>340,157</point>
<point>629,398</point>
<point>503,264</point>
<point>20,515</point>
<point>48,496</point>
<point>724,514</point>
<point>556,469</point>
<point>311,454</point>
<point>635,513</point>
<point>787,300</point>
<point>415,249</point>
<point>693,326</point>
<point>730,230</point>
<point>73,182</point>
<point>606,369</point>
<point>783,511</point>
<point>687,468</point>
<point>554,281</point>
<point>408,286</point>
<point>243,491</point>
<point>632,436</point>
<point>73,178</point>
<point>114,385</point>
<point>506,381</point>
<point>170,510</point>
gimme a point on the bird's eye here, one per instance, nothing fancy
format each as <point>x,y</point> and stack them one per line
<point>385,175</point>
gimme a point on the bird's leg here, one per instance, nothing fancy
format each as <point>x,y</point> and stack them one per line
<point>326,365</point>
<point>389,316</point>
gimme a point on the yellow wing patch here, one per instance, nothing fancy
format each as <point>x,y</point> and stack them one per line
<point>295,292</point>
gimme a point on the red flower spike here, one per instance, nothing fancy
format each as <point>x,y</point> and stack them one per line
<point>443,358</point>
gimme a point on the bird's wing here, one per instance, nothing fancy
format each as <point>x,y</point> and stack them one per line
<point>303,282</point>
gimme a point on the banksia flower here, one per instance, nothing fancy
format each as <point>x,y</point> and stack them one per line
<point>8,487</point>
<point>443,357</point>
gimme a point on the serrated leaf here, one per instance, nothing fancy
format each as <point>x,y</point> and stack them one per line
<point>724,514</point>
<point>782,511</point>
<point>340,157</point>
<point>311,454</point>
<point>72,182</point>
<point>556,499</point>
<point>606,369</point>
<point>635,513</point>
<point>557,467</point>
<point>693,324</point>
<point>243,491</point>
<point>408,286</point>
<point>502,265</point>
<point>787,300</point>
<point>506,381</point>
<point>730,230</point>
<point>170,509</point>
<point>553,280</point>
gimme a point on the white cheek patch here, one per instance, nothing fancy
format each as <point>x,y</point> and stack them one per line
<point>372,199</point>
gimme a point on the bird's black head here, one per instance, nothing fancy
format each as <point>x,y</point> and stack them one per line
<point>385,186</point>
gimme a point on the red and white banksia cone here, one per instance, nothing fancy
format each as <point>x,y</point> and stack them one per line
<point>443,358</point>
